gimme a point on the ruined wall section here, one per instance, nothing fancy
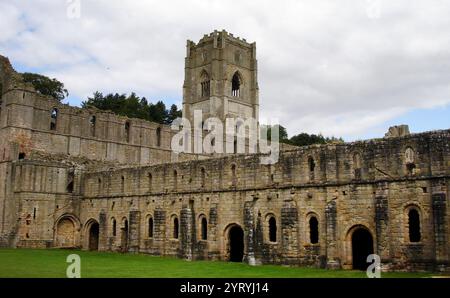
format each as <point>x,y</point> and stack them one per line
<point>42,192</point>
<point>369,184</point>
<point>379,160</point>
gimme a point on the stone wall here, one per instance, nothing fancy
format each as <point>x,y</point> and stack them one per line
<point>375,197</point>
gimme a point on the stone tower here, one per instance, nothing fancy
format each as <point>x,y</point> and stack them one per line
<point>221,78</point>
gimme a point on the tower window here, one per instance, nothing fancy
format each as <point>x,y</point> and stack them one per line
<point>414,225</point>
<point>205,84</point>
<point>235,85</point>
<point>122,186</point>
<point>22,156</point>
<point>272,229</point>
<point>53,119</point>
<point>313,230</point>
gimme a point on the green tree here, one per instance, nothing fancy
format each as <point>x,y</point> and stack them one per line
<point>46,86</point>
<point>173,114</point>
<point>133,106</point>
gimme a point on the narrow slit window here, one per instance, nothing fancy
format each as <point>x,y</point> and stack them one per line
<point>313,230</point>
<point>272,229</point>
<point>53,119</point>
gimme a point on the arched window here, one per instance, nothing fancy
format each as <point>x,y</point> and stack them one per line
<point>311,164</point>
<point>70,187</point>
<point>414,225</point>
<point>70,181</point>
<point>233,175</point>
<point>127,131</point>
<point>53,119</point>
<point>114,227</point>
<point>357,165</point>
<point>175,180</point>
<point>313,230</point>
<point>235,85</point>
<point>158,137</point>
<point>409,160</point>
<point>92,123</point>
<point>205,84</point>
<point>203,177</point>
<point>204,228</point>
<point>175,228</point>
<point>122,185</point>
<point>272,229</point>
<point>150,227</point>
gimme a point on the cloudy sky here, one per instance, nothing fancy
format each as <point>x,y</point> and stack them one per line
<point>347,68</point>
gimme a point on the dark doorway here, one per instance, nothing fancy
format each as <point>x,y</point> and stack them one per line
<point>93,236</point>
<point>362,246</point>
<point>236,242</point>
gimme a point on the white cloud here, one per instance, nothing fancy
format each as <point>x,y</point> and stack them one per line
<point>336,67</point>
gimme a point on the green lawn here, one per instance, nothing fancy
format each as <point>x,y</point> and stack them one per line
<point>52,263</point>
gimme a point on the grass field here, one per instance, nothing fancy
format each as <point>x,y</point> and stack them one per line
<point>52,263</point>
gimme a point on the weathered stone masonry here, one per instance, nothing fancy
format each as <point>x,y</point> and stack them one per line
<point>119,187</point>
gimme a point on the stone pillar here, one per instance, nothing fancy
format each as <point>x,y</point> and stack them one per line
<point>134,231</point>
<point>381,225</point>
<point>289,232</point>
<point>186,232</point>
<point>213,253</point>
<point>159,231</point>
<point>259,239</point>
<point>440,230</point>
<point>333,260</point>
<point>249,227</point>
<point>102,231</point>
<point>382,222</point>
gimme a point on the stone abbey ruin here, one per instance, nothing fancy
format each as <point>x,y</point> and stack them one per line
<point>72,177</point>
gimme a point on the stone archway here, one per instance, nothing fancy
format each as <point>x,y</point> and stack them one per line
<point>65,233</point>
<point>362,246</point>
<point>235,245</point>
<point>93,230</point>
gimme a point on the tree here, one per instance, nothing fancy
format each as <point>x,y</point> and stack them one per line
<point>46,86</point>
<point>133,106</point>
<point>302,139</point>
<point>174,113</point>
